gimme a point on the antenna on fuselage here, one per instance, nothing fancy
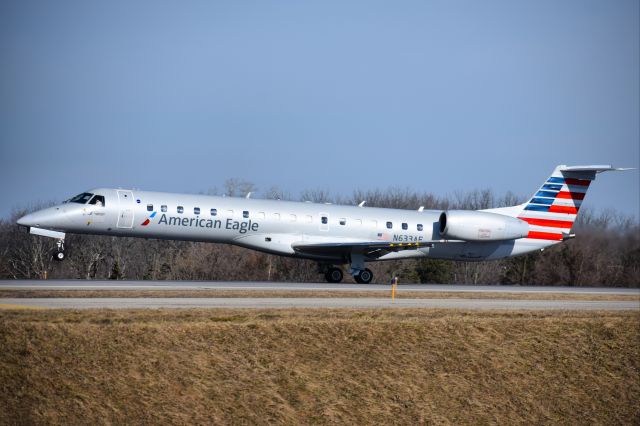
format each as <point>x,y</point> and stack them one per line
<point>421,208</point>
<point>248,195</point>
<point>362,204</point>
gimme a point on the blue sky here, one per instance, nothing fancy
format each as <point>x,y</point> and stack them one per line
<point>433,95</point>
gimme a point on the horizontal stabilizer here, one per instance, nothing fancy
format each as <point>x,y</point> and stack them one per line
<point>593,168</point>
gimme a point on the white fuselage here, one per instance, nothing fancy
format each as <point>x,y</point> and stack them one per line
<point>271,226</point>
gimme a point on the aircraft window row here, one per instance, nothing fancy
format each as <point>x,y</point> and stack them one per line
<point>99,200</point>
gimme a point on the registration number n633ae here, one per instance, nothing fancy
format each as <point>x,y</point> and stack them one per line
<point>406,238</point>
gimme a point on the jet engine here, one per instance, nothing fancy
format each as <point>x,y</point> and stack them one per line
<point>480,226</point>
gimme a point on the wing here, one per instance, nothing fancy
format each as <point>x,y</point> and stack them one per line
<point>371,249</point>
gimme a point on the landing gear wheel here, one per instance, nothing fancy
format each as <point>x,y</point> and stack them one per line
<point>333,275</point>
<point>59,255</point>
<point>364,277</point>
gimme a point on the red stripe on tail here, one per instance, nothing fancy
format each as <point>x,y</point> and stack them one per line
<point>544,236</point>
<point>579,182</point>
<point>571,195</point>
<point>563,209</point>
<point>548,222</point>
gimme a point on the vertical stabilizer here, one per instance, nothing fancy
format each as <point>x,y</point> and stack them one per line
<point>553,209</point>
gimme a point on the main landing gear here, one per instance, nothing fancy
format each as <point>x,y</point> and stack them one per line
<point>59,254</point>
<point>335,275</point>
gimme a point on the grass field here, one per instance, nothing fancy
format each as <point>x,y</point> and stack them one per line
<point>319,366</point>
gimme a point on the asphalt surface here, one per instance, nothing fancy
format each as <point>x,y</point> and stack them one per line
<point>224,285</point>
<point>281,303</point>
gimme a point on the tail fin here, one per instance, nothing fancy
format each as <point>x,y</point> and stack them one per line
<point>553,209</point>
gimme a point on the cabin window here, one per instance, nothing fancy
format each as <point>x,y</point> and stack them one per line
<point>214,212</point>
<point>389,225</point>
<point>149,207</point>
<point>260,215</point>
<point>180,209</point>
<point>420,227</point>
<point>163,208</point>
<point>230,213</point>
<point>276,216</point>
<point>373,224</point>
<point>245,214</point>
<point>405,226</point>
<point>97,200</point>
<point>324,220</point>
<point>292,217</point>
<point>343,221</point>
<point>308,218</point>
<point>358,222</point>
<point>196,210</point>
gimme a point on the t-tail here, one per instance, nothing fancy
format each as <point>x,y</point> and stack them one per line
<point>553,209</point>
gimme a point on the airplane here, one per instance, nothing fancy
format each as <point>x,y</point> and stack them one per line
<point>332,235</point>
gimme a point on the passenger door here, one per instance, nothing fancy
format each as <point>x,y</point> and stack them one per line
<point>126,205</point>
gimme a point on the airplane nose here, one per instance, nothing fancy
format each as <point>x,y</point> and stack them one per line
<point>51,217</point>
<point>26,220</point>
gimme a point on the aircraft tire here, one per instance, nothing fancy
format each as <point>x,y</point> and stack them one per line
<point>334,275</point>
<point>59,256</point>
<point>364,277</point>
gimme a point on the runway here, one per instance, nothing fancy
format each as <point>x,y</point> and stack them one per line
<point>265,286</point>
<point>283,303</point>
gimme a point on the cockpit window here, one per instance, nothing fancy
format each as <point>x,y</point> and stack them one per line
<point>81,198</point>
<point>98,200</point>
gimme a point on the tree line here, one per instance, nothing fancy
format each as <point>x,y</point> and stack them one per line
<point>606,250</point>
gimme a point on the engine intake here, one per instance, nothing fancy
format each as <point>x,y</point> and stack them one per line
<point>481,226</point>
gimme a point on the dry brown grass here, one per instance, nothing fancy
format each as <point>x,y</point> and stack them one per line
<point>310,293</point>
<point>318,366</point>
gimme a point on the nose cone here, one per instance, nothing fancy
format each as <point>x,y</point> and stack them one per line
<point>48,218</point>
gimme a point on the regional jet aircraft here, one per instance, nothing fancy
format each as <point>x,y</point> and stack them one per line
<point>333,235</point>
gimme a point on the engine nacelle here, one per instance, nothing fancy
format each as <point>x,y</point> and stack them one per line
<point>481,226</point>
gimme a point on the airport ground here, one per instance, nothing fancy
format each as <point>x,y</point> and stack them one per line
<point>438,354</point>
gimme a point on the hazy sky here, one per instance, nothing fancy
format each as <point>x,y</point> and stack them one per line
<point>433,95</point>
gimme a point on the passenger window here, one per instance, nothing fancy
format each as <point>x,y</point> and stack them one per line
<point>261,215</point>
<point>97,200</point>
<point>230,213</point>
<point>308,218</point>
<point>245,214</point>
<point>343,221</point>
<point>389,225</point>
<point>196,210</point>
<point>180,209</point>
<point>214,212</point>
<point>292,217</point>
<point>420,227</point>
<point>324,220</point>
<point>405,226</point>
<point>149,207</point>
<point>276,216</point>
<point>358,222</point>
<point>163,208</point>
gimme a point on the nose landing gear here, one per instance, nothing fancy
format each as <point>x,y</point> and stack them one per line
<point>59,255</point>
